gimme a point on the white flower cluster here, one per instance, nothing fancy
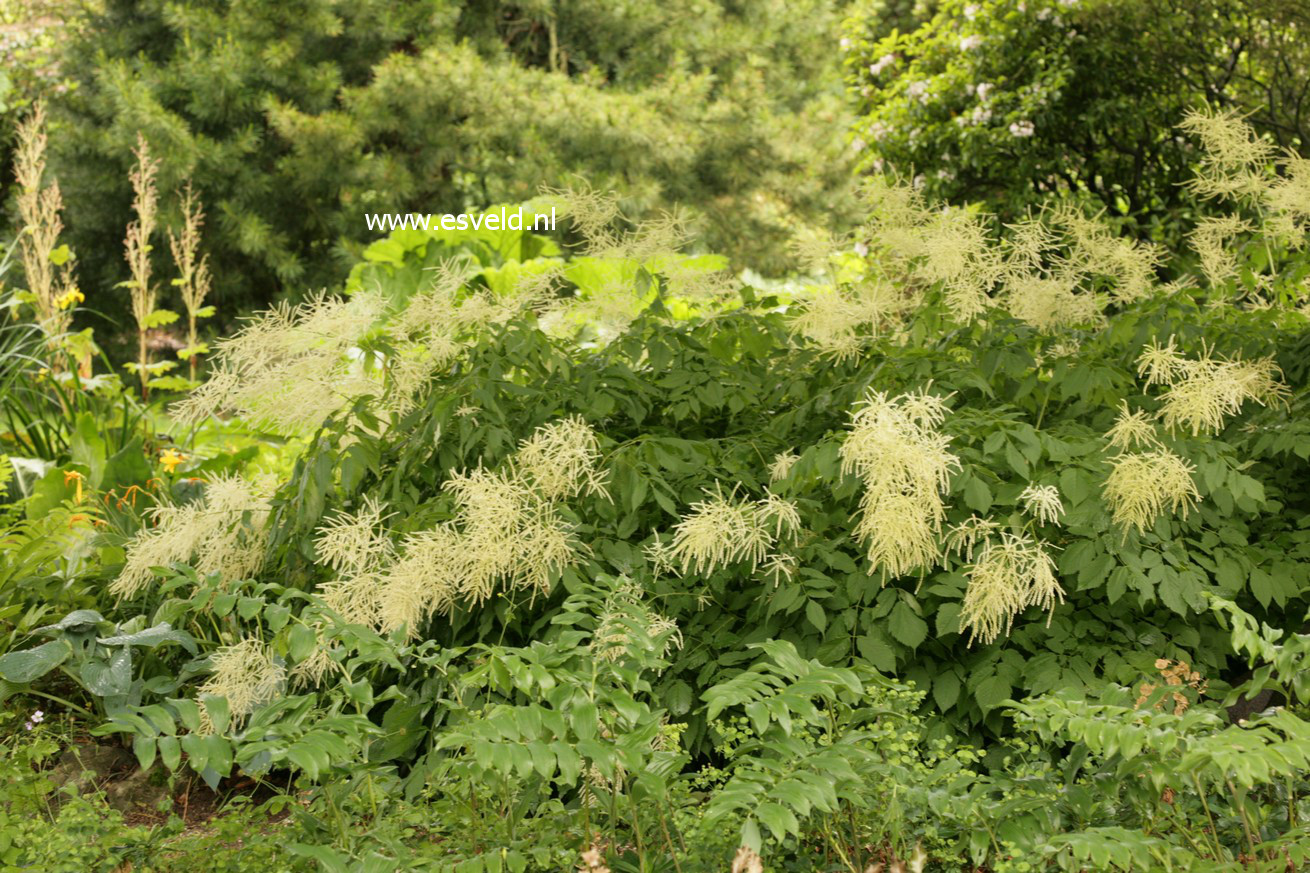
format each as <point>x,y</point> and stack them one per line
<point>507,530</point>
<point>895,448</point>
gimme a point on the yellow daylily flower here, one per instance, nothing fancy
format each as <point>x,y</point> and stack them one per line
<point>76,477</point>
<point>170,459</point>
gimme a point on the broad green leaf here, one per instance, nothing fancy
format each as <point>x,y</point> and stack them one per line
<point>977,496</point>
<point>906,626</point>
<point>946,690</point>
<point>31,664</point>
<point>816,616</point>
<point>992,692</point>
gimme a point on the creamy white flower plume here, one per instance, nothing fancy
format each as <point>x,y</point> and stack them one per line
<point>1132,430</point>
<point>725,529</point>
<point>1042,502</point>
<point>1142,486</point>
<point>781,466</point>
<point>1234,158</point>
<point>246,675</point>
<point>1204,391</point>
<point>903,461</point>
<point>507,532</point>
<point>1013,572</point>
<point>223,532</point>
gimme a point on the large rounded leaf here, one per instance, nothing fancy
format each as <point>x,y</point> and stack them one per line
<point>26,666</point>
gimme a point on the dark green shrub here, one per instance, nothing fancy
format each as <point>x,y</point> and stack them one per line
<point>1004,102</point>
<point>294,119</point>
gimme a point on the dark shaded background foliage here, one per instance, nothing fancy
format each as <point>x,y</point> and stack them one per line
<point>295,118</point>
<point>1104,84</point>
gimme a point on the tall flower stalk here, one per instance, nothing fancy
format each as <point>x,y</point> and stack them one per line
<point>193,271</point>
<point>46,264</point>
<point>137,248</point>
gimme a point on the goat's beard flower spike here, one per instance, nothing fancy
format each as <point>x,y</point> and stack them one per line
<point>222,532</point>
<point>1132,430</point>
<point>781,466</point>
<point>1233,156</point>
<point>1012,573</point>
<point>1202,392</point>
<point>896,450</point>
<point>1043,503</point>
<point>246,674</point>
<point>1142,486</point>
<point>506,530</point>
<point>725,529</point>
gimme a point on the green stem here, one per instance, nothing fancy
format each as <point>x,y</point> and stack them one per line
<point>1041,413</point>
<point>68,703</point>
<point>1246,821</point>
<point>668,838</point>
<point>1205,804</point>
<point>1200,849</point>
<point>636,829</point>
<point>836,847</point>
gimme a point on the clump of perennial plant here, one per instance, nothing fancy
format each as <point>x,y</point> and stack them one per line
<point>902,459</point>
<point>223,532</point>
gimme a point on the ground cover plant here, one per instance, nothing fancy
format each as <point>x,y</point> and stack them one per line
<point>979,545</point>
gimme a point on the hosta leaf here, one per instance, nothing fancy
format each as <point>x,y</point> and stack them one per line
<point>106,678</point>
<point>151,637</point>
<point>27,666</point>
